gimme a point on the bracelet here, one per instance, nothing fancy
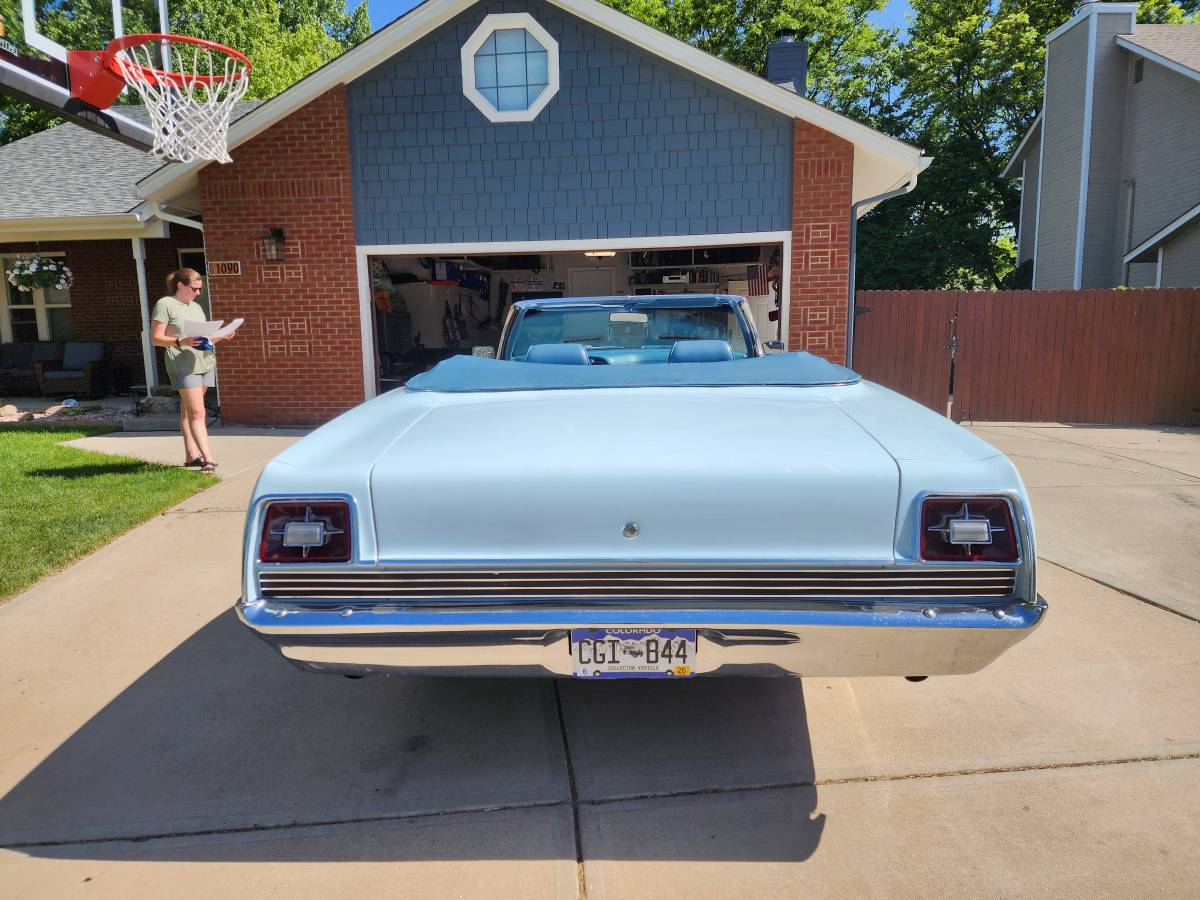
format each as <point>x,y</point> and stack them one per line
<point>177,345</point>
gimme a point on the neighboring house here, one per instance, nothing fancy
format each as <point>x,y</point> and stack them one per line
<point>1110,167</point>
<point>539,148</point>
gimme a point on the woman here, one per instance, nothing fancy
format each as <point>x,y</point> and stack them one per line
<point>191,362</point>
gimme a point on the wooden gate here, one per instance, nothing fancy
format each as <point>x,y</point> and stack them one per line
<point>1114,357</point>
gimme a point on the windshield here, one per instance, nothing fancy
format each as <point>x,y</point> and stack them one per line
<point>631,327</point>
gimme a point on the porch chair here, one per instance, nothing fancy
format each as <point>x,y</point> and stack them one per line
<point>84,371</point>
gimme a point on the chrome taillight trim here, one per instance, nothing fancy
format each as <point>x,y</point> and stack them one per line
<point>405,585</point>
<point>1016,513</point>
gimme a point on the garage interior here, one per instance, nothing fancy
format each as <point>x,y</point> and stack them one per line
<point>432,307</point>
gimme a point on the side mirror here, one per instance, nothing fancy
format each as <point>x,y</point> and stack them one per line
<point>485,352</point>
<point>773,346</point>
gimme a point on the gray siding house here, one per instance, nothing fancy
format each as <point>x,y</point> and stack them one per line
<point>1110,169</point>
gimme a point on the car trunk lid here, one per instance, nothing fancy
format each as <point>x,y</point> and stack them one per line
<point>700,475</point>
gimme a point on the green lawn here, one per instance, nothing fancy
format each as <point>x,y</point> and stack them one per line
<point>58,503</point>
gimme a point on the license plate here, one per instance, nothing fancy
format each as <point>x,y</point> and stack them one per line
<point>633,652</point>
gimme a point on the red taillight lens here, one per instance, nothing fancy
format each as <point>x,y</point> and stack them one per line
<point>306,532</point>
<point>968,529</point>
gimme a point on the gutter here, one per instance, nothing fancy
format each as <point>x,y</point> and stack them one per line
<point>854,208</point>
<point>78,228</point>
<point>161,213</point>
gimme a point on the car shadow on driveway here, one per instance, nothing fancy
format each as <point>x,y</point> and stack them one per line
<point>223,750</point>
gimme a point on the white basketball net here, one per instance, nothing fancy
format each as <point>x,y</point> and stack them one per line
<point>190,106</point>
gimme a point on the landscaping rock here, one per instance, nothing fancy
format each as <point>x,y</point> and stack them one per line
<point>160,405</point>
<point>8,410</point>
<point>26,417</point>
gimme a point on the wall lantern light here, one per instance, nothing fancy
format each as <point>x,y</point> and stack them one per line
<point>272,244</point>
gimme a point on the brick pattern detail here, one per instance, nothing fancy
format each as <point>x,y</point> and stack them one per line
<point>630,146</point>
<point>822,181</point>
<point>299,358</point>
<point>104,297</point>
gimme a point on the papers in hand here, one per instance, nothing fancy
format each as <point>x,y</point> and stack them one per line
<point>211,329</point>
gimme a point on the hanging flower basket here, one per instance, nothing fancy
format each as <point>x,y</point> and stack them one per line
<point>31,272</point>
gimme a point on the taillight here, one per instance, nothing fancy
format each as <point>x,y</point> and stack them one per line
<point>306,532</point>
<point>968,529</point>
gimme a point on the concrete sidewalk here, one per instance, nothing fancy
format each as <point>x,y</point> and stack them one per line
<point>1120,505</point>
<point>237,449</point>
<point>150,745</point>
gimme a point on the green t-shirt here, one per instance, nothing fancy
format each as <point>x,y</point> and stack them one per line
<point>183,360</point>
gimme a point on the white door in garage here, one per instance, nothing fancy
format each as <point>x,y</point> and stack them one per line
<point>591,282</point>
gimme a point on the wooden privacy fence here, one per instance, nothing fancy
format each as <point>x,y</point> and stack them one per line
<point>1111,357</point>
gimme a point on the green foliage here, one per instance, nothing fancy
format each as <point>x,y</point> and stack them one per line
<point>851,60</point>
<point>284,40</point>
<point>971,74</point>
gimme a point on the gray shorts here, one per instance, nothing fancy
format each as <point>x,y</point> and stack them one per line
<point>208,379</point>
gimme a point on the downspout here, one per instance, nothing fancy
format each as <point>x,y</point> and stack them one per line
<point>854,208</point>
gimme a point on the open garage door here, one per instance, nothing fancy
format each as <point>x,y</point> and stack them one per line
<point>425,307</point>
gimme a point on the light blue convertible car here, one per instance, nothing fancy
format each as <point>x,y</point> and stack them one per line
<point>571,509</point>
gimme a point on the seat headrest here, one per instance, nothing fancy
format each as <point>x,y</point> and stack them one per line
<point>700,351</point>
<point>558,354</point>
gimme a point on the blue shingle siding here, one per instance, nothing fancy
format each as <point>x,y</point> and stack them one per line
<point>630,146</point>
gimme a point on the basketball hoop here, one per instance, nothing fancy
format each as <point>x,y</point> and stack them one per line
<point>189,91</point>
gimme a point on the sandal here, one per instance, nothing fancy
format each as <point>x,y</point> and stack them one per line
<point>195,463</point>
<point>208,468</point>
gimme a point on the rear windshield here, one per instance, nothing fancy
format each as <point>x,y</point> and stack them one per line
<point>626,328</point>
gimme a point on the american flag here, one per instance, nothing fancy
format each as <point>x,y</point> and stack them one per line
<point>756,278</point>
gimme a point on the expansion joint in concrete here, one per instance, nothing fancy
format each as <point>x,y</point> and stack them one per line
<point>869,779</point>
<point>581,880</point>
<point>1120,590</point>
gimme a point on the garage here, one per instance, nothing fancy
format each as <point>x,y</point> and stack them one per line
<point>385,212</point>
<point>426,308</point>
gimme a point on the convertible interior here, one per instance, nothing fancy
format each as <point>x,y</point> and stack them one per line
<point>603,336</point>
<point>689,351</point>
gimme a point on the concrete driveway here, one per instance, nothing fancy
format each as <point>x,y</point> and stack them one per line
<point>150,746</point>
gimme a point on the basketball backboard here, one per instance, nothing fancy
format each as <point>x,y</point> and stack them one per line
<point>33,68</point>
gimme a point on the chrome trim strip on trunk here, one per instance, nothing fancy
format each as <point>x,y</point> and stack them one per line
<point>379,584</point>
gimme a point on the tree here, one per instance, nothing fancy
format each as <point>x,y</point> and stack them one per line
<point>284,40</point>
<point>972,75</point>
<point>850,59</point>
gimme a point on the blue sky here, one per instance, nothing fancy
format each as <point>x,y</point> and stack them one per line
<point>384,11</point>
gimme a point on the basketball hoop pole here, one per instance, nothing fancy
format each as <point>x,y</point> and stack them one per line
<point>163,28</point>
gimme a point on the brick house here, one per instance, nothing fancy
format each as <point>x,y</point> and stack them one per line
<point>381,213</point>
<point>70,192</point>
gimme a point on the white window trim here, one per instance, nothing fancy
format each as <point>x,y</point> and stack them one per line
<point>38,300</point>
<point>497,22</point>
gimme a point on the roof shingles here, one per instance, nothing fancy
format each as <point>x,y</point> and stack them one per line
<point>70,171</point>
<point>1178,43</point>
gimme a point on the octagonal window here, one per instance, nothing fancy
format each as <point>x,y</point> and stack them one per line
<point>510,67</point>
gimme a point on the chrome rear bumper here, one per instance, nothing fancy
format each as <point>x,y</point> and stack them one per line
<point>829,641</point>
